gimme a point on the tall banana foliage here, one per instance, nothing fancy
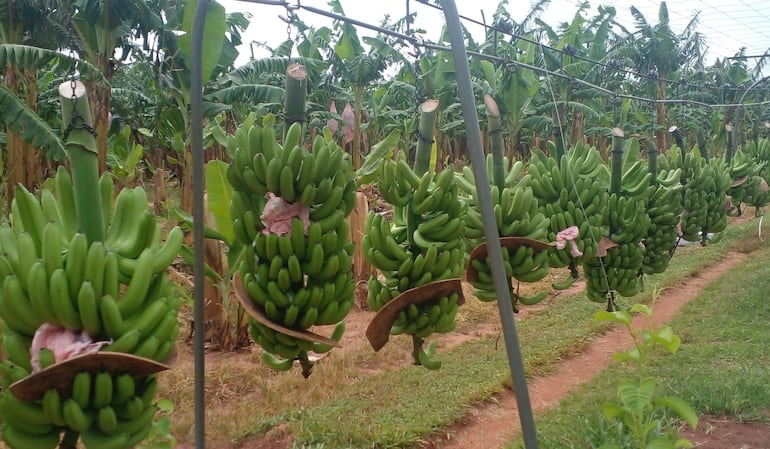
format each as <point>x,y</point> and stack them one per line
<point>28,22</point>
<point>572,105</point>
<point>98,29</point>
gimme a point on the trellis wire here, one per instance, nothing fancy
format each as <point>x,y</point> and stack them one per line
<point>505,61</point>
<point>584,59</point>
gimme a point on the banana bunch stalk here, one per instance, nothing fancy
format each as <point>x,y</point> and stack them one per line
<point>114,291</point>
<point>570,192</point>
<point>626,223</point>
<point>422,244</point>
<point>299,270</point>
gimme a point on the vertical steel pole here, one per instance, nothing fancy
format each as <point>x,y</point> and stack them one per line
<point>196,146</point>
<point>491,233</point>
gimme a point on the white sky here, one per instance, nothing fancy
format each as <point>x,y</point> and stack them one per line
<point>727,24</point>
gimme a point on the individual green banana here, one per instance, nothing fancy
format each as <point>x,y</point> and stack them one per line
<point>31,215</point>
<point>137,289</point>
<point>62,304</point>
<point>75,262</point>
<point>81,389</point>
<point>52,247</point>
<point>126,342</point>
<point>52,407</point>
<point>16,308</point>
<point>275,363</point>
<point>39,296</point>
<point>95,264</point>
<point>125,388</point>
<point>102,390</point>
<point>16,439</point>
<point>88,308</point>
<point>76,417</point>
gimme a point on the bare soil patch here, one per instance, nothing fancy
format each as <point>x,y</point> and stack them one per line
<point>715,432</point>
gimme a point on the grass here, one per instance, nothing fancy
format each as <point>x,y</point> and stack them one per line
<point>721,368</point>
<point>361,399</point>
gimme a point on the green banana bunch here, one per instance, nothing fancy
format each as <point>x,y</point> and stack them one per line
<point>697,183</point>
<point>570,192</point>
<point>108,410</point>
<point>119,413</point>
<point>716,199</point>
<point>516,215</point>
<point>423,243</point>
<point>617,271</point>
<point>114,291</point>
<point>759,151</point>
<point>515,207</point>
<point>512,172</point>
<point>664,210</point>
<point>303,277</point>
<point>747,187</point>
<point>626,222</point>
<point>51,276</point>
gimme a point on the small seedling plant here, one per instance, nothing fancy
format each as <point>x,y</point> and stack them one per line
<point>639,412</point>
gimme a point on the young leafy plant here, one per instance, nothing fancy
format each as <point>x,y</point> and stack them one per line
<point>640,412</point>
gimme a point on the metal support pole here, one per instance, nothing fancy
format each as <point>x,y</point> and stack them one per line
<point>196,147</point>
<point>491,233</point>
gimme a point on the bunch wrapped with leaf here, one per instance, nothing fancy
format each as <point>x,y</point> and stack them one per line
<point>571,191</point>
<point>617,267</point>
<point>422,243</point>
<point>290,212</point>
<point>517,215</point>
<point>78,279</point>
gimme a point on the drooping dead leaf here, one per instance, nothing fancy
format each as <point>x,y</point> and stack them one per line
<point>61,375</point>
<point>378,331</point>
<point>258,314</point>
<point>510,243</point>
<point>604,244</point>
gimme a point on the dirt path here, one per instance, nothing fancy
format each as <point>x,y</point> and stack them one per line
<point>492,424</point>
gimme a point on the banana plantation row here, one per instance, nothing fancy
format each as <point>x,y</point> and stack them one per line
<point>610,223</point>
<point>89,314</point>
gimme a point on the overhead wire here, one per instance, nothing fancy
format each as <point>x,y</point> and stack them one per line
<point>582,58</point>
<point>416,41</point>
